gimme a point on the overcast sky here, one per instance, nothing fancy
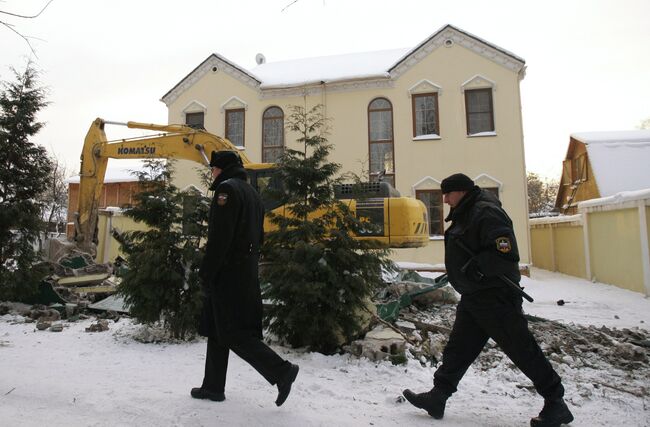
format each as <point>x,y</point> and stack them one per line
<point>588,61</point>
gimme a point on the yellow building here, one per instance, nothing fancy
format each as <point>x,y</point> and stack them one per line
<point>450,104</point>
<point>605,187</point>
<point>601,164</point>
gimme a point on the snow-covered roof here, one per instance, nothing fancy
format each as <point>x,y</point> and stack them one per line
<point>620,159</point>
<point>642,135</point>
<point>114,174</point>
<point>618,200</point>
<point>383,64</point>
<point>328,69</point>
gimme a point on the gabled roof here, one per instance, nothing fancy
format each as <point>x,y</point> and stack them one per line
<point>115,174</point>
<point>450,34</point>
<point>380,65</point>
<point>620,160</point>
<point>213,63</point>
<point>328,69</point>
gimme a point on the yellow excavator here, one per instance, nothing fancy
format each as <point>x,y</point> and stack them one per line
<point>399,222</point>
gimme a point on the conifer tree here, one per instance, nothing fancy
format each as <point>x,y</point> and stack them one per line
<point>24,167</point>
<point>317,275</point>
<point>161,282</point>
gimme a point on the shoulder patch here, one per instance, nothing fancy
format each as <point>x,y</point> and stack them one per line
<point>503,245</point>
<point>222,199</point>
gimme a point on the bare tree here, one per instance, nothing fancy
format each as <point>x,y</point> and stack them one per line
<point>55,196</point>
<point>541,194</point>
<point>10,15</point>
<point>645,124</point>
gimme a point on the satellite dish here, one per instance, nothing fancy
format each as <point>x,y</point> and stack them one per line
<point>260,59</point>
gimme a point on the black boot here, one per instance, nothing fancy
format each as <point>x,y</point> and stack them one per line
<point>284,385</point>
<point>432,401</point>
<point>201,393</point>
<point>554,413</point>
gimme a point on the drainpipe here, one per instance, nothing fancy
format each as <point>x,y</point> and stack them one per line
<point>585,235</point>
<point>553,256</point>
<point>645,250</point>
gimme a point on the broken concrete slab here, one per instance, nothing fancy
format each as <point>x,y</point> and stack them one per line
<point>381,343</point>
<point>99,326</point>
<point>87,279</point>
<point>112,303</point>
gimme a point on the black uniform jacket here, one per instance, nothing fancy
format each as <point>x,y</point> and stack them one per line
<point>484,227</point>
<point>229,270</point>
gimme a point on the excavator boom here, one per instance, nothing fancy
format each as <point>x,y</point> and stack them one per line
<point>402,220</point>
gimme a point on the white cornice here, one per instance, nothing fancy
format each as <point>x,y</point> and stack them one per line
<point>424,86</point>
<point>194,106</point>
<point>478,81</point>
<point>331,87</point>
<point>449,36</point>
<point>233,103</point>
<point>213,64</point>
<point>487,179</point>
<point>427,183</point>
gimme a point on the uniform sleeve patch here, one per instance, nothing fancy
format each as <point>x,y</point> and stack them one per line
<point>222,199</point>
<point>503,245</point>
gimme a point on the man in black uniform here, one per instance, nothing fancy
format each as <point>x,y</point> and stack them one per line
<point>232,309</point>
<point>488,308</point>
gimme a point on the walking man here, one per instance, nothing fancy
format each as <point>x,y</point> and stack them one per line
<point>488,308</point>
<point>232,309</point>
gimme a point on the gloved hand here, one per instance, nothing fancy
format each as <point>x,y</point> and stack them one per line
<point>471,270</point>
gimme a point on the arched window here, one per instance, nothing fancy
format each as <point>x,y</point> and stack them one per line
<point>272,134</point>
<point>380,140</point>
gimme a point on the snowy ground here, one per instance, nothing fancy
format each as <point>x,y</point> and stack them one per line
<point>74,378</point>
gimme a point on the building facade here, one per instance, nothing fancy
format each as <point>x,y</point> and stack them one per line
<point>601,164</point>
<point>412,116</point>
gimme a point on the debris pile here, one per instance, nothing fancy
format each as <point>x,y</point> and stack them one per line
<point>415,316</point>
<point>75,278</point>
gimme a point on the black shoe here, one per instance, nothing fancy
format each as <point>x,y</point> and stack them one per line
<point>432,401</point>
<point>284,385</point>
<point>554,413</point>
<point>201,393</point>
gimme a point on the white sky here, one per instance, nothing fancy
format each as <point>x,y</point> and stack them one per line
<point>588,61</point>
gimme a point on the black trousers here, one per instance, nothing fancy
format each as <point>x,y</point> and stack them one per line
<point>497,314</point>
<point>262,358</point>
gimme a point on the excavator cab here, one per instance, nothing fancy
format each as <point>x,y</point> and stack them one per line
<point>264,180</point>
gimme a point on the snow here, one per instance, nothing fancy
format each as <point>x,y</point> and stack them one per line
<point>618,199</point>
<point>641,135</point>
<point>75,378</point>
<point>556,219</point>
<point>486,133</point>
<point>426,137</point>
<point>112,175</point>
<point>619,159</point>
<point>327,69</point>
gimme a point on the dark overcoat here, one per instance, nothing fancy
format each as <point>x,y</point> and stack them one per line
<point>232,304</point>
<point>480,223</point>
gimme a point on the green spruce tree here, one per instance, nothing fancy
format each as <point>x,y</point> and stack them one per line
<point>319,277</point>
<point>24,168</point>
<point>161,282</point>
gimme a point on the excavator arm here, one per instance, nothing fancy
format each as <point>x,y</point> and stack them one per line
<point>399,222</point>
<point>177,142</point>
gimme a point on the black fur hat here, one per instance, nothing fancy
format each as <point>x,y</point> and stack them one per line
<point>223,159</point>
<point>456,182</point>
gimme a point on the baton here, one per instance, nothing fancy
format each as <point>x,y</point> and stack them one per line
<point>503,277</point>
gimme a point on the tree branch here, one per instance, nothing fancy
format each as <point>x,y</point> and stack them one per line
<point>27,16</point>
<point>287,6</point>
<point>21,36</point>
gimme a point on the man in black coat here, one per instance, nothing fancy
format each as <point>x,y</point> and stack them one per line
<point>488,308</point>
<point>232,309</point>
